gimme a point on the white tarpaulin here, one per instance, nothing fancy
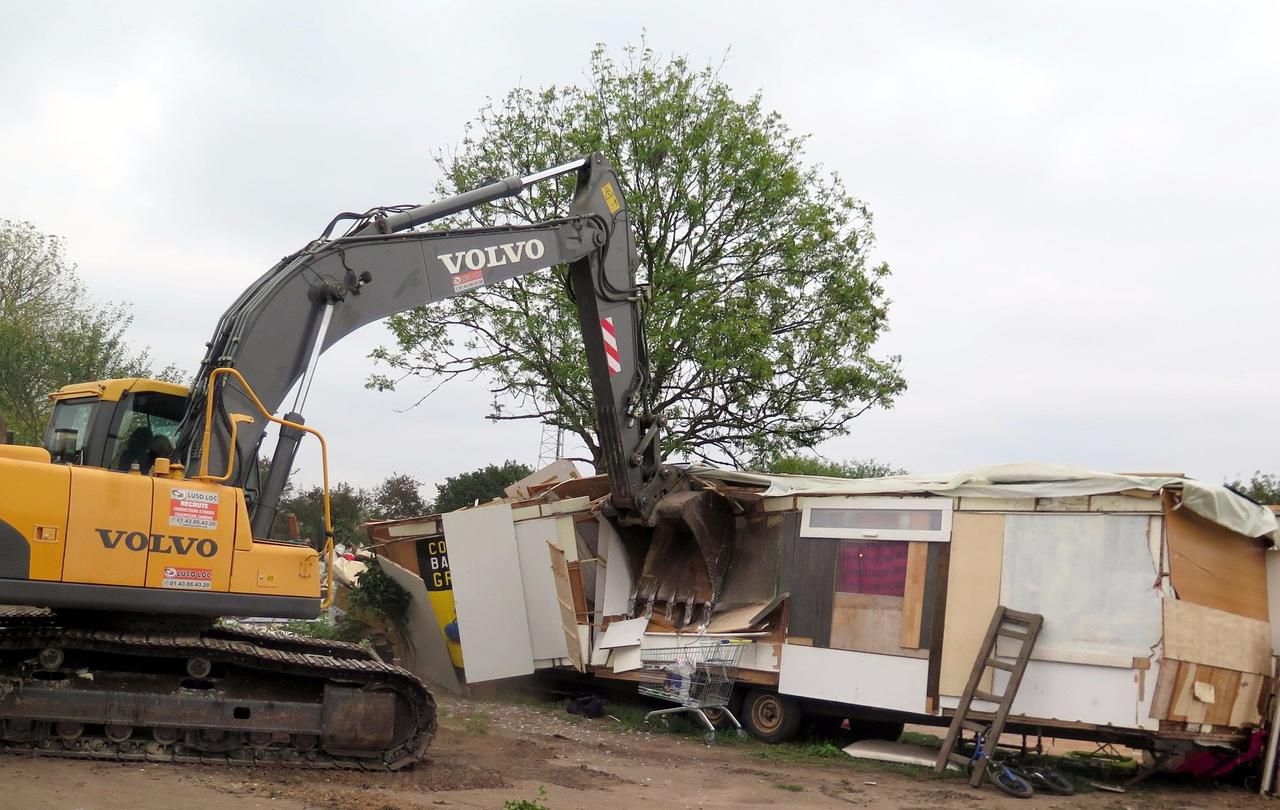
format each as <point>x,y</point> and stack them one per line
<point>1210,501</point>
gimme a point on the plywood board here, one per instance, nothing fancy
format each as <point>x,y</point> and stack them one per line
<point>1225,684</point>
<point>973,591</point>
<point>1216,638</point>
<point>913,596</point>
<point>403,554</point>
<point>737,619</point>
<point>1215,567</point>
<point>869,623</point>
<point>866,679</point>
<point>903,753</point>
<point>488,592</point>
<point>1273,596</point>
<point>542,609</point>
<point>1090,575</point>
<point>564,597</point>
<point>1163,699</point>
<point>1244,709</point>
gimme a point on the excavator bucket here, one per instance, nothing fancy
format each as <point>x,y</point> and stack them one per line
<point>684,568</point>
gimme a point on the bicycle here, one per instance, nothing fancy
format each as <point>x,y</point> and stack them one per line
<point>1005,778</point>
<point>1042,777</point>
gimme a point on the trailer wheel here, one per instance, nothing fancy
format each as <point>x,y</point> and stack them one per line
<point>771,717</point>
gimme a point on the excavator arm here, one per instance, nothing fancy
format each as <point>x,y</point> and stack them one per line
<point>276,331</point>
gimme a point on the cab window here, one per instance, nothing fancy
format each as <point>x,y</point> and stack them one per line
<point>69,428</point>
<point>145,429</point>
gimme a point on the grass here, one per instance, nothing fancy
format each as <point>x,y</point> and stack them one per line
<point>922,740</point>
<point>788,786</point>
<point>528,804</point>
<point>476,723</point>
<point>630,714</point>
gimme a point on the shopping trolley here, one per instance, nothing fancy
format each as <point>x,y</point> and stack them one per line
<point>697,676</point>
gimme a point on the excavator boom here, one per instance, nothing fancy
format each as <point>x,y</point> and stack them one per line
<point>127,555</point>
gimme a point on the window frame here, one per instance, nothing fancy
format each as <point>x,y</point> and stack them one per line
<point>854,502</point>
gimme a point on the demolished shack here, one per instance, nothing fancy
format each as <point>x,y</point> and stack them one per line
<point>869,599</point>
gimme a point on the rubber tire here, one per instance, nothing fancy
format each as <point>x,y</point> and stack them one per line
<point>771,717</point>
<point>1049,780</point>
<point>1008,782</point>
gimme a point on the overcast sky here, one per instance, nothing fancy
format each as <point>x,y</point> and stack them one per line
<point>1079,201</point>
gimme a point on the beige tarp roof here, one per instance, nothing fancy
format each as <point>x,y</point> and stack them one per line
<point>1211,501</point>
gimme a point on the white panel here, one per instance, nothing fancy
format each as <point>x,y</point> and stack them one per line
<point>624,634</point>
<point>1076,693</point>
<point>488,593</point>
<point>942,534</point>
<point>546,632</point>
<point>617,576</point>
<point>867,679</point>
<point>1091,578</point>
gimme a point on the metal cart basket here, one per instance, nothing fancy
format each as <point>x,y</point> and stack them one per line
<point>696,676</point>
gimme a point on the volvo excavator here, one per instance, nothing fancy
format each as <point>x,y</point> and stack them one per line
<point>144,519</point>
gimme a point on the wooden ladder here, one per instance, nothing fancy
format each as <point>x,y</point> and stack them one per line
<point>1024,628</point>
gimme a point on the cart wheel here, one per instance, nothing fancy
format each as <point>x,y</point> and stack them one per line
<point>770,716</point>
<point>709,738</point>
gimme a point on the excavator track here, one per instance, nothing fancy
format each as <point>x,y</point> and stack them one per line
<point>211,695</point>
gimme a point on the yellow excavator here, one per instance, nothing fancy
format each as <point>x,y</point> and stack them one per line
<point>144,517</point>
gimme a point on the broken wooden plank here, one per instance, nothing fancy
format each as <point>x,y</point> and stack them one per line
<point>1217,638</point>
<point>913,596</point>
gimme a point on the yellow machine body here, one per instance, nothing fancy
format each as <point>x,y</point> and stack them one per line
<point>92,538</point>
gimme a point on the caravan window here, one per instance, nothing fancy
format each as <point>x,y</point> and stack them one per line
<point>878,518</point>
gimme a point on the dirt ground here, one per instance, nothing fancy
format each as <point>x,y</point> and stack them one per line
<point>489,753</point>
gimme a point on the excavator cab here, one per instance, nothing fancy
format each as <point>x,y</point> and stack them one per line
<point>114,424</point>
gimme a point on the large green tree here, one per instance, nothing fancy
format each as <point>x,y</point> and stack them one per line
<point>51,331</point>
<point>483,484</point>
<point>398,496</point>
<point>812,465</point>
<point>765,306</point>
<point>1262,487</point>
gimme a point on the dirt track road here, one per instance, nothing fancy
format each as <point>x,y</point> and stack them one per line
<point>489,753</point>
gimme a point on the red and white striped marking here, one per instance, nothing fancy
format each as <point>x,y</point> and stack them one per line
<point>610,346</point>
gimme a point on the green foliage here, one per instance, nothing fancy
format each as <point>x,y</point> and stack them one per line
<point>788,786</point>
<point>528,804</point>
<point>348,509</point>
<point>481,485</point>
<point>765,305</point>
<point>324,629</point>
<point>398,496</point>
<point>809,465</point>
<point>1262,487</point>
<point>52,332</point>
<point>379,594</point>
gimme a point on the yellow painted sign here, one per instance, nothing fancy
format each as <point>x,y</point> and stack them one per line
<point>611,198</point>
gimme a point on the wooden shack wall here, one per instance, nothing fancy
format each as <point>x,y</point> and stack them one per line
<point>1217,642</point>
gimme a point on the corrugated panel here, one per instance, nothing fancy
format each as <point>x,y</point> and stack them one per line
<point>808,574</point>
